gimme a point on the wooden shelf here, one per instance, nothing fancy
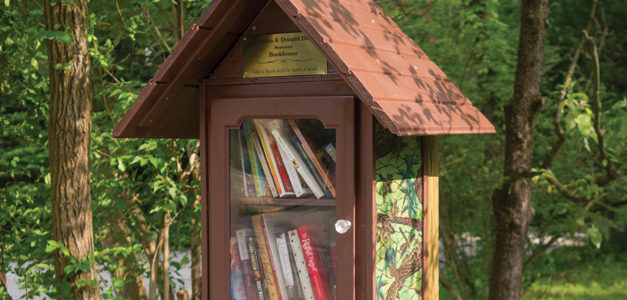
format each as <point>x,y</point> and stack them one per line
<point>287,201</point>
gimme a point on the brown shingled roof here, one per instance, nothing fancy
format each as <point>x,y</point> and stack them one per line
<point>405,90</point>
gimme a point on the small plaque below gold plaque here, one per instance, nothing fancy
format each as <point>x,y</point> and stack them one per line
<point>281,54</point>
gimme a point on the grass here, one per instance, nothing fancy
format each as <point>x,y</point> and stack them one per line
<point>597,279</point>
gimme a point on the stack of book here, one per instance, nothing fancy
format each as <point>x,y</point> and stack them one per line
<point>283,256</point>
<point>276,160</point>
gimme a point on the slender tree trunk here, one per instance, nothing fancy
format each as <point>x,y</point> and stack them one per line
<point>512,201</point>
<point>196,256</point>
<point>166,256</point>
<point>68,143</point>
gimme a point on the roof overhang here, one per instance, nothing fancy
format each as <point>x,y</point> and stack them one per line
<point>387,71</point>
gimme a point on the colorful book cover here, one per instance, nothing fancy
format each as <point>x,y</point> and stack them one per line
<point>278,160</point>
<point>321,170</point>
<point>249,184</point>
<point>294,160</point>
<point>292,174</point>
<point>319,281</point>
<point>238,288</point>
<point>264,165</point>
<point>301,264</point>
<point>279,174</point>
<point>258,278</point>
<point>310,165</point>
<point>264,259</point>
<point>241,235</point>
<point>259,179</point>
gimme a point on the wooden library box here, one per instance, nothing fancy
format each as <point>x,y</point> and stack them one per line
<point>318,123</point>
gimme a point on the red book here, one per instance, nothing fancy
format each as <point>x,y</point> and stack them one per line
<point>279,163</point>
<point>317,273</point>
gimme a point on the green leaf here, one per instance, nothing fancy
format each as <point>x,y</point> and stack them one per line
<point>34,63</point>
<point>595,236</point>
<point>7,3</point>
<point>60,36</point>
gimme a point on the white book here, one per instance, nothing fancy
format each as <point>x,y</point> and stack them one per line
<point>301,266</point>
<point>293,159</point>
<point>284,257</point>
<point>299,190</point>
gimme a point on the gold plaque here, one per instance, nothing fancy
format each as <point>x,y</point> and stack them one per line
<point>281,54</point>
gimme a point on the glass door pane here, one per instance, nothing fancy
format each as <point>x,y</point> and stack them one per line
<point>282,209</point>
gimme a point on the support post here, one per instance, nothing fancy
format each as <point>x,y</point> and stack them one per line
<point>430,167</point>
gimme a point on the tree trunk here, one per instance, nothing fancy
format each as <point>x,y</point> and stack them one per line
<point>68,144</point>
<point>196,256</point>
<point>512,201</point>
<point>165,295</point>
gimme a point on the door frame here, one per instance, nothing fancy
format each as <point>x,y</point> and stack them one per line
<point>224,113</point>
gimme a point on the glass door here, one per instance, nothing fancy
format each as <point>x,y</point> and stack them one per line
<point>288,199</point>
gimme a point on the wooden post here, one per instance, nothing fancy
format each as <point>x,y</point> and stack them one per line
<point>430,214</point>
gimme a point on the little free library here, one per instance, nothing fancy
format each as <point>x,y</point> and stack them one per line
<point>318,124</point>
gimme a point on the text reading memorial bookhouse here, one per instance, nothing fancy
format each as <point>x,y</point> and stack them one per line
<point>318,124</point>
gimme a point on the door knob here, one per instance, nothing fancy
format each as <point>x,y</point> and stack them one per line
<point>342,226</point>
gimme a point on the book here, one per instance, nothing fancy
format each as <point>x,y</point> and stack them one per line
<point>301,264</point>
<point>331,151</point>
<point>263,250</point>
<point>264,165</point>
<point>249,184</point>
<point>238,288</point>
<point>309,152</point>
<point>260,290</point>
<point>317,273</point>
<point>241,235</point>
<point>310,165</point>
<point>277,168</point>
<point>259,178</point>
<point>294,160</point>
<point>286,268</point>
<point>299,290</point>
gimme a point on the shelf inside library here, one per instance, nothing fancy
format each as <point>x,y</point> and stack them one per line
<point>287,201</point>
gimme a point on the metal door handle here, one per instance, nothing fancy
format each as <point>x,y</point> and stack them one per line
<point>342,226</point>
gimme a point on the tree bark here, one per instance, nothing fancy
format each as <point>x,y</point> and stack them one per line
<point>512,201</point>
<point>196,256</point>
<point>68,144</point>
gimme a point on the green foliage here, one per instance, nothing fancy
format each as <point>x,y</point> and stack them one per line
<point>136,181</point>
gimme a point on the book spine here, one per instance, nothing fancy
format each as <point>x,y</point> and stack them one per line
<point>316,271</point>
<point>264,165</point>
<point>258,176</point>
<point>249,185</point>
<point>265,145</point>
<point>309,164</point>
<point>284,257</point>
<point>297,283</point>
<point>264,259</point>
<point>312,157</point>
<point>260,290</point>
<point>301,264</point>
<point>244,256</point>
<point>283,176</point>
<point>298,164</point>
<point>291,172</point>
<point>238,288</point>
